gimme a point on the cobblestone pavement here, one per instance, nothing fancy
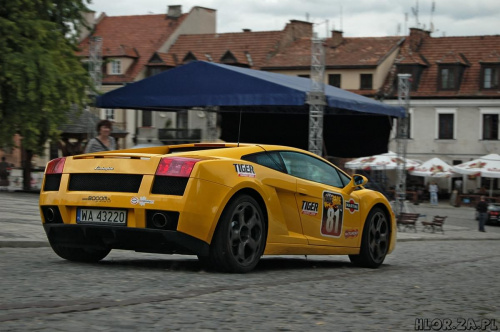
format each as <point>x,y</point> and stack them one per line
<point>424,278</point>
<point>129,291</point>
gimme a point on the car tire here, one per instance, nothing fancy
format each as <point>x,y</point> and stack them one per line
<point>85,255</point>
<point>240,237</point>
<point>375,240</point>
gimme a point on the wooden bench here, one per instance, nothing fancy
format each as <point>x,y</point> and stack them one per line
<point>435,224</point>
<point>407,220</point>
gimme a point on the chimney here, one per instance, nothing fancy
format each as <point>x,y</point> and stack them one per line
<point>293,31</point>
<point>89,19</point>
<point>416,38</point>
<point>337,38</point>
<point>247,30</point>
<point>174,11</point>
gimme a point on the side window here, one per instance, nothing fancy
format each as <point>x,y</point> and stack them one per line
<point>345,179</point>
<point>267,159</point>
<point>310,168</point>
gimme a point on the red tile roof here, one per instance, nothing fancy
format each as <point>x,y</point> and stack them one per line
<point>468,51</point>
<point>351,52</point>
<point>137,36</point>
<point>248,48</point>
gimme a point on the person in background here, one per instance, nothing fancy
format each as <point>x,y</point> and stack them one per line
<point>103,141</point>
<point>433,191</point>
<point>458,185</point>
<point>482,209</point>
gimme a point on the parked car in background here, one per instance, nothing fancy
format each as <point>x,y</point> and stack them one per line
<point>493,214</point>
<point>229,204</point>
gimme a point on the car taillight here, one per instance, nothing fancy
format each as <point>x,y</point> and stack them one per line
<point>55,166</point>
<point>495,213</point>
<point>176,166</point>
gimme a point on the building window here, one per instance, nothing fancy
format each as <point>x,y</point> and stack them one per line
<point>446,126</point>
<point>182,119</point>
<point>450,77</point>
<point>116,67</point>
<point>155,70</point>
<point>109,114</point>
<point>490,77</point>
<point>490,126</point>
<point>447,78</point>
<point>415,71</point>
<point>334,80</point>
<point>366,81</point>
<point>147,118</point>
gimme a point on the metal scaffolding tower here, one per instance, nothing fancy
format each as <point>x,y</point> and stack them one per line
<point>316,97</point>
<point>95,71</point>
<point>95,63</point>
<point>404,85</point>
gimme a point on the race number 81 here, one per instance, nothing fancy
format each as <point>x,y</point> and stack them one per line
<point>333,214</point>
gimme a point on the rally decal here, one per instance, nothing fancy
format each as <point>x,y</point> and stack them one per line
<point>244,170</point>
<point>97,199</point>
<point>310,208</point>
<point>352,206</point>
<point>333,214</point>
<point>351,233</point>
<point>141,201</point>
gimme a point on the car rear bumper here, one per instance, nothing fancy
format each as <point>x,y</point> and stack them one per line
<point>137,239</point>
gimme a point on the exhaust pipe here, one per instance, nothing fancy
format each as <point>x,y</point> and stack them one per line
<point>50,214</point>
<point>160,220</point>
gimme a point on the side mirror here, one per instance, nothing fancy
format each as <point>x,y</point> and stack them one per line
<point>359,180</point>
<point>356,182</point>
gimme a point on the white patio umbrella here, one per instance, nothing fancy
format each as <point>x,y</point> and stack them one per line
<point>385,161</point>
<point>486,166</point>
<point>434,168</point>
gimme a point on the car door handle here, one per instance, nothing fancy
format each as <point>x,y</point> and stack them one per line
<point>302,191</point>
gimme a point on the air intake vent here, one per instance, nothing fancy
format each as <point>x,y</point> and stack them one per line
<point>124,183</point>
<point>169,185</point>
<point>52,182</point>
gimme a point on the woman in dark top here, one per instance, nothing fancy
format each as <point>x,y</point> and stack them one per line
<point>103,142</point>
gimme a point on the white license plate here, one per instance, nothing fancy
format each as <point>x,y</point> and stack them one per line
<point>101,216</point>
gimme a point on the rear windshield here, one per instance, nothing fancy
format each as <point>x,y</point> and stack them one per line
<point>194,148</point>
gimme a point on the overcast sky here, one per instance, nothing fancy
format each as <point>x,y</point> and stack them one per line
<point>357,18</point>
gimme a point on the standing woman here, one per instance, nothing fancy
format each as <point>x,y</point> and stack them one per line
<point>103,141</point>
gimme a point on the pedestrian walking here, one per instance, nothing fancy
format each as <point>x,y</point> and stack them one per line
<point>103,141</point>
<point>433,191</point>
<point>482,209</point>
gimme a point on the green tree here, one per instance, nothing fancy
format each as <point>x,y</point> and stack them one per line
<point>40,75</point>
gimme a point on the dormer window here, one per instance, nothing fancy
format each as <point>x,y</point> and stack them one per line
<point>415,70</point>
<point>228,58</point>
<point>450,77</point>
<point>116,67</point>
<point>490,76</point>
<point>189,57</point>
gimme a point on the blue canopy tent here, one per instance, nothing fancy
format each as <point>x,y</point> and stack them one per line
<point>263,97</point>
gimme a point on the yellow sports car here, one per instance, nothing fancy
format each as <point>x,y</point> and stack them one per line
<point>229,204</point>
